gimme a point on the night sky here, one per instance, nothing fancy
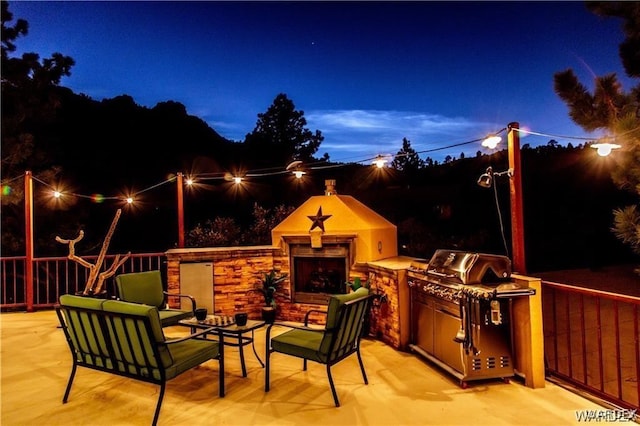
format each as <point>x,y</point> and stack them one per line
<point>366,74</point>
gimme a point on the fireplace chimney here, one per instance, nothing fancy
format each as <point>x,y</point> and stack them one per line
<point>330,185</point>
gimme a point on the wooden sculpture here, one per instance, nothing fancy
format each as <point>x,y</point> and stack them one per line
<point>96,278</point>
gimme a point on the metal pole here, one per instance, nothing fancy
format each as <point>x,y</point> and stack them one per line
<point>515,192</point>
<point>180,212</point>
<point>28,239</point>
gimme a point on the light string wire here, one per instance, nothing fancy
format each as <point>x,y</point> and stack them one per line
<point>272,171</point>
<point>530,132</point>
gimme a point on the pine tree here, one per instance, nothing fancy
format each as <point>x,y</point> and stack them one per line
<point>280,135</point>
<point>407,159</point>
<point>29,102</point>
<point>617,112</point>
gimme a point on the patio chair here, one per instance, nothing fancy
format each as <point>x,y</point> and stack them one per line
<point>126,339</point>
<point>339,338</point>
<point>146,288</point>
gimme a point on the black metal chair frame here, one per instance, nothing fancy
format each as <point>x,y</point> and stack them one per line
<point>102,356</point>
<point>345,339</point>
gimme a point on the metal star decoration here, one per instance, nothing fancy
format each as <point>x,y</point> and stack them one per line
<point>318,220</point>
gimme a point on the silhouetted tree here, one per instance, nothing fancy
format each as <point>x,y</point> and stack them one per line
<point>264,220</point>
<point>29,104</point>
<point>217,232</point>
<point>28,99</point>
<point>407,159</point>
<point>280,135</point>
<point>609,107</point>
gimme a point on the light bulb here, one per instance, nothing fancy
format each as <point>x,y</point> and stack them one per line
<point>491,141</point>
<point>604,149</point>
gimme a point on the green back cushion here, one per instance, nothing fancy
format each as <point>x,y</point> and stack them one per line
<point>81,302</point>
<point>141,310</point>
<point>141,287</point>
<point>132,328</point>
<point>336,301</point>
<point>92,341</point>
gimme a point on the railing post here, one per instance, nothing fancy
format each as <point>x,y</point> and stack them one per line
<point>28,239</point>
<point>515,191</point>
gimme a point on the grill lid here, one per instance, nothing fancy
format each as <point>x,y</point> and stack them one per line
<point>460,267</point>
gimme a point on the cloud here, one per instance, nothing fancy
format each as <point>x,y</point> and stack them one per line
<point>358,133</point>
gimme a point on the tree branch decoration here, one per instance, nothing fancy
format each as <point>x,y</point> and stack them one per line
<point>96,278</point>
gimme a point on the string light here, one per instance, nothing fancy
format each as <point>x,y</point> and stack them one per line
<point>380,161</point>
<point>603,149</point>
<point>491,141</point>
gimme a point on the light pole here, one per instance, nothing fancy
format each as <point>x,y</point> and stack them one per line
<point>28,239</point>
<point>515,192</point>
<point>180,211</point>
<point>515,195</point>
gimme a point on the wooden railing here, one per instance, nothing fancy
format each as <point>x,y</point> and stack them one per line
<point>592,341</point>
<point>591,337</point>
<point>54,276</point>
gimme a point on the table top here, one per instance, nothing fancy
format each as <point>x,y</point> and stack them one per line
<point>225,327</point>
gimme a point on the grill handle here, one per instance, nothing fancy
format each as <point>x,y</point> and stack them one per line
<point>441,274</point>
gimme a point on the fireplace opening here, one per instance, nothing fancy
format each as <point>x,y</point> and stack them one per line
<point>317,273</point>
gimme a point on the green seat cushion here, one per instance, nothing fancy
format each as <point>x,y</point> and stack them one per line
<point>300,343</point>
<point>141,287</point>
<point>191,353</point>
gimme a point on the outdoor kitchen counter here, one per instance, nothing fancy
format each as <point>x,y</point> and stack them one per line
<point>389,277</point>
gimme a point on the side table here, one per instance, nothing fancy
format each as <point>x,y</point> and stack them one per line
<point>232,331</point>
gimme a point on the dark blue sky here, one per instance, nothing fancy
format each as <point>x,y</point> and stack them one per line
<point>366,74</point>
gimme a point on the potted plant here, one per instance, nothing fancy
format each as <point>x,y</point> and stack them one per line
<point>267,286</point>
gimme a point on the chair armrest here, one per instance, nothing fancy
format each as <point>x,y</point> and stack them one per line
<point>193,300</point>
<point>310,311</point>
<point>288,324</point>
<point>209,330</point>
<point>298,326</point>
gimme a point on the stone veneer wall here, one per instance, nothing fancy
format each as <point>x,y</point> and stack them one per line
<point>390,314</point>
<point>238,270</point>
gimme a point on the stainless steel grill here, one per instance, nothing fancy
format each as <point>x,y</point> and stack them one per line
<point>461,313</point>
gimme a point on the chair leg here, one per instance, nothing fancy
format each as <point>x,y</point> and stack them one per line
<point>158,405</point>
<point>364,375</point>
<point>304,364</point>
<point>267,360</point>
<point>221,368</point>
<point>333,388</point>
<point>69,383</point>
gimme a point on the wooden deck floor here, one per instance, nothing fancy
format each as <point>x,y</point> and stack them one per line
<point>403,390</point>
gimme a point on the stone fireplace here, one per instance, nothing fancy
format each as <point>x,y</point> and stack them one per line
<point>326,243</point>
